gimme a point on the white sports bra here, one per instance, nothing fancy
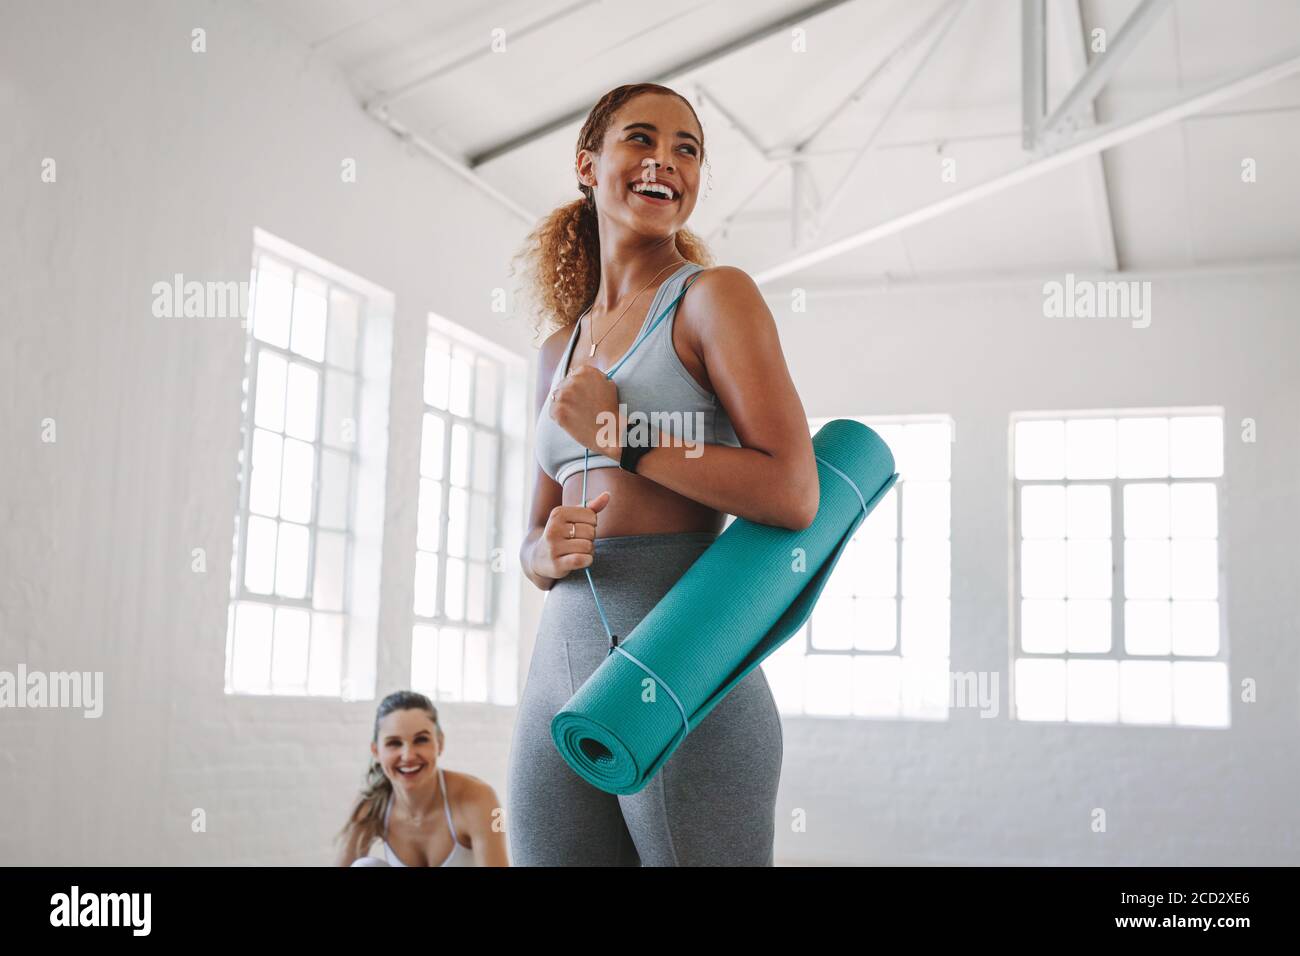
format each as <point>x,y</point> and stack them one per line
<point>458,856</point>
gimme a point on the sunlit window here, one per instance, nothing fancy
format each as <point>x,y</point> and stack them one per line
<point>458,547</point>
<point>1117,569</point>
<point>877,642</point>
<point>288,625</point>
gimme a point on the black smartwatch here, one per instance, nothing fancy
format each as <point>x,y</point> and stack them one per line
<point>631,455</point>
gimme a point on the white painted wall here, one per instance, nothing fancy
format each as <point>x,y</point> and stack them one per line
<point>166,162</point>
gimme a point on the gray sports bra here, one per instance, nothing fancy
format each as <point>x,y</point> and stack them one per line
<point>657,390</point>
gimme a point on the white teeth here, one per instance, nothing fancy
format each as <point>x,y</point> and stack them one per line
<point>659,188</point>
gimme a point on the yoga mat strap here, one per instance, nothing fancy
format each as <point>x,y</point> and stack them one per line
<point>852,484</point>
<point>686,721</point>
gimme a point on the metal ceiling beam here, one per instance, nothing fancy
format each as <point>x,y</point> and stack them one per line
<point>1033,70</point>
<point>1101,137</point>
<point>1059,123</point>
<point>832,201</point>
<point>453,164</point>
<point>969,280</point>
<point>388,97</point>
<point>1094,168</point>
<point>664,76</point>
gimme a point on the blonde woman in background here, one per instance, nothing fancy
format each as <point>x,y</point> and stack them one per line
<point>422,814</point>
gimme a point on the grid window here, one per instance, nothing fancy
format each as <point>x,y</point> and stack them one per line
<point>876,644</point>
<point>1118,598</point>
<point>288,619</point>
<point>458,520</point>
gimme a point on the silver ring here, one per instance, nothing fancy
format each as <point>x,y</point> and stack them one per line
<point>572,529</point>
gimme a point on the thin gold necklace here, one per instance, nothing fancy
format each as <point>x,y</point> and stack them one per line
<point>590,322</point>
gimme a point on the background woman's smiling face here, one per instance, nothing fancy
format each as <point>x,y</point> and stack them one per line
<point>407,747</point>
<point>651,127</point>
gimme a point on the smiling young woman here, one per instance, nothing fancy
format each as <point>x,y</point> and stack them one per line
<point>422,814</point>
<point>606,267</point>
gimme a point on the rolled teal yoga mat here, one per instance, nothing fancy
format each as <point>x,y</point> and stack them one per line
<point>742,599</point>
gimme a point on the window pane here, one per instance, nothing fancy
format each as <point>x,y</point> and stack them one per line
<point>1040,689</point>
<point>1042,626</point>
<point>1196,447</point>
<point>334,469</point>
<point>340,423</point>
<point>1196,627</point>
<point>462,365</point>
<point>1090,448</point>
<point>1088,511</point>
<point>1088,568</point>
<point>424,659</point>
<point>875,624</point>
<point>925,452</point>
<point>485,461</point>
<point>829,686</point>
<point>1088,625</point>
<point>1042,568</point>
<point>342,337</point>
<point>1195,568</point>
<point>259,557</point>
<point>1143,447</point>
<point>1146,569</point>
<point>309,318</point>
<point>264,486</point>
<point>1092,692</point>
<point>429,533</point>
<point>431,447</point>
<point>296,480</point>
<point>479,527</point>
<point>925,509</point>
<point>925,567</point>
<point>877,686</point>
<point>475,666</point>
<point>455,585</point>
<point>1146,510</point>
<point>478,593</point>
<point>450,663</point>
<point>289,655</point>
<point>867,567</point>
<point>325,670</point>
<point>485,392</point>
<point>457,521</point>
<point>271,373</point>
<point>1201,693</point>
<point>292,548</point>
<point>1194,511</point>
<point>251,667</point>
<point>327,586</point>
<point>437,371</point>
<point>1146,627</point>
<point>832,626</point>
<point>271,300</point>
<point>925,628</point>
<point>426,584</point>
<point>1146,692</point>
<point>300,409</point>
<point>1040,449</point>
<point>883,520</point>
<point>459,455</point>
<point>1042,511</point>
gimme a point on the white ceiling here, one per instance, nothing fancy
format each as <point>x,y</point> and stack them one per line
<point>1175,195</point>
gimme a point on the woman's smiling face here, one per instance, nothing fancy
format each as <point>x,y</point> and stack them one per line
<point>407,748</point>
<point>653,138</point>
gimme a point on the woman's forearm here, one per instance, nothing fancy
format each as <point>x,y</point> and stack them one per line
<point>746,482</point>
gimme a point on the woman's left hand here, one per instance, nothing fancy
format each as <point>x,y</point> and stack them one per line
<point>585,404</point>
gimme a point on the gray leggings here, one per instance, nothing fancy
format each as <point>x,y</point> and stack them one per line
<point>713,803</point>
